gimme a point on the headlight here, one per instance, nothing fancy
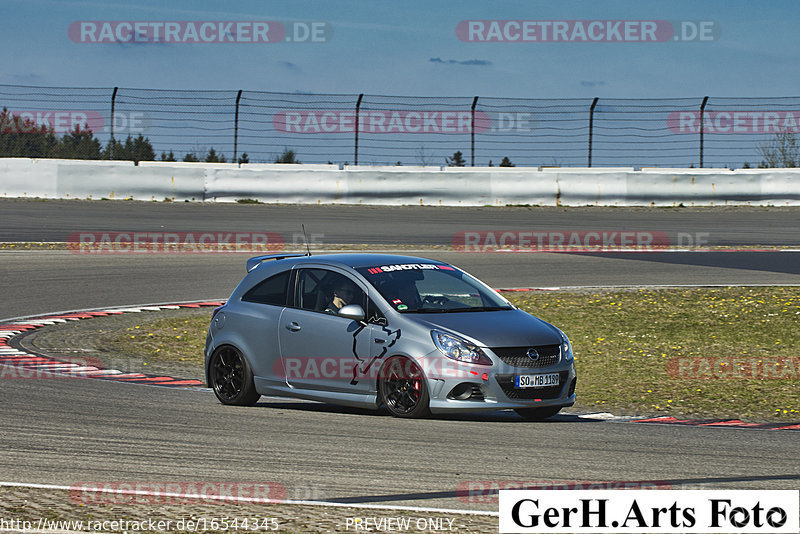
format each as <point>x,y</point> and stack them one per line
<point>566,346</point>
<point>459,349</point>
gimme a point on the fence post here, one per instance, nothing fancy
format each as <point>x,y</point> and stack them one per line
<point>472,131</point>
<point>702,113</point>
<point>591,127</point>
<point>113,102</point>
<point>236,126</point>
<point>358,109</point>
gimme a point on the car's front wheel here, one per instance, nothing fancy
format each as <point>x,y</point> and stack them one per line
<point>403,389</point>
<point>537,414</point>
<point>231,378</point>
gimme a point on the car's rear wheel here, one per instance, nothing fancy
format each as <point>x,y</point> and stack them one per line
<point>403,389</point>
<point>537,414</point>
<point>231,378</point>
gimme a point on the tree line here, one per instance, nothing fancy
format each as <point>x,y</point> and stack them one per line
<point>21,138</point>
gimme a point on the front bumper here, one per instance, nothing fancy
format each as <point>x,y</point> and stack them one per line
<point>494,390</point>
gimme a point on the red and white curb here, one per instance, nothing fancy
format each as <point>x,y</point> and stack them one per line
<point>726,423</point>
<point>669,420</point>
<point>18,363</point>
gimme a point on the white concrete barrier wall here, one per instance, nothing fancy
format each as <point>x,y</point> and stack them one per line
<point>274,183</point>
<point>430,186</point>
<point>23,177</point>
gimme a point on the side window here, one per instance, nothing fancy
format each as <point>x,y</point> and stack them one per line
<point>270,291</point>
<point>326,291</point>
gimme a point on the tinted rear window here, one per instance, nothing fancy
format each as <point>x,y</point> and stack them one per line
<point>270,291</point>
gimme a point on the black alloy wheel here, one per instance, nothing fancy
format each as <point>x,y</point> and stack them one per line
<point>231,378</point>
<point>403,389</point>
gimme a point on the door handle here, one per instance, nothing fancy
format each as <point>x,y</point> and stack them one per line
<point>377,340</point>
<point>293,326</point>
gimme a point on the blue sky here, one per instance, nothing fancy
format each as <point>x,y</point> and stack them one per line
<point>411,48</point>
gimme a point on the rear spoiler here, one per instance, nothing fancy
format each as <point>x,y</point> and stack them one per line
<point>254,262</point>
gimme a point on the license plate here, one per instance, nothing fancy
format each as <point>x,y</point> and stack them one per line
<point>536,381</point>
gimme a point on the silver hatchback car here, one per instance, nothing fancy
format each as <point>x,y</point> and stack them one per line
<point>415,335</point>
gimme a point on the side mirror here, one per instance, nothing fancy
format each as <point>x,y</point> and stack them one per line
<point>353,311</point>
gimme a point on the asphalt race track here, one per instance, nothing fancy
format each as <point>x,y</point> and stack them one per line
<point>55,220</point>
<point>65,280</point>
<point>69,431</point>
<point>46,281</point>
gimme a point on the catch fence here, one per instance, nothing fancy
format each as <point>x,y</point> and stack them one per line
<point>406,130</point>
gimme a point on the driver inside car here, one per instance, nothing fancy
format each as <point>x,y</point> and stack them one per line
<point>342,295</point>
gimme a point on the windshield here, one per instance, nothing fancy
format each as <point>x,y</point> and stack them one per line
<point>432,288</point>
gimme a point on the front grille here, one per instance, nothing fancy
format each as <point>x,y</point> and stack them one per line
<point>518,356</point>
<point>506,382</point>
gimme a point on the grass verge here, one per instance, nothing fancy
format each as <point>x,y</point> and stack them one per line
<point>699,352</point>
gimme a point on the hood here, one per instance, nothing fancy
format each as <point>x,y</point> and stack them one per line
<point>505,328</point>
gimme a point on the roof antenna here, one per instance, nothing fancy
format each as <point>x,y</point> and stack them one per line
<point>305,237</point>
